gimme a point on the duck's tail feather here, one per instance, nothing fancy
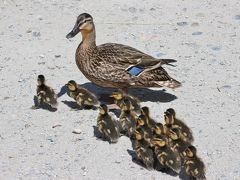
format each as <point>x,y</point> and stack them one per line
<point>172,83</point>
<point>168,61</point>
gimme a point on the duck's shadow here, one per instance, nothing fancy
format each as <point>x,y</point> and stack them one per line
<point>144,94</point>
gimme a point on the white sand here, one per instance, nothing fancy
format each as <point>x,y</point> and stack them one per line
<point>208,65</point>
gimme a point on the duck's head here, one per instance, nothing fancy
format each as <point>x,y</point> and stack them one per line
<point>126,105</point>
<point>171,111</point>
<point>103,109</point>
<point>168,117</point>
<point>141,120</point>
<point>190,151</point>
<point>145,111</point>
<point>174,133</point>
<point>160,141</point>
<point>72,85</point>
<point>159,129</point>
<point>83,24</point>
<point>138,134</point>
<point>40,79</point>
<point>118,95</point>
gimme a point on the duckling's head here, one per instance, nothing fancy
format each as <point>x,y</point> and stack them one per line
<point>72,85</point>
<point>103,109</point>
<point>141,120</point>
<point>126,105</point>
<point>160,141</point>
<point>138,133</point>
<point>174,133</point>
<point>171,111</point>
<point>41,79</point>
<point>145,111</point>
<point>158,128</point>
<point>118,95</point>
<point>83,24</point>
<point>191,151</point>
<point>168,117</point>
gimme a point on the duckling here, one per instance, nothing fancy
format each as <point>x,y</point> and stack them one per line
<point>172,122</point>
<point>107,124</point>
<point>147,131</point>
<point>165,155</point>
<point>193,165</point>
<point>119,96</point>
<point>45,94</point>
<point>127,118</point>
<point>159,129</point>
<point>145,111</point>
<point>143,151</point>
<point>82,96</point>
<point>177,144</point>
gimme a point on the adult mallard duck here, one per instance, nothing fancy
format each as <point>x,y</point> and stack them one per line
<point>116,65</point>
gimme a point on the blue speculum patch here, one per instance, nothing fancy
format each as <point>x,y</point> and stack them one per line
<point>135,71</point>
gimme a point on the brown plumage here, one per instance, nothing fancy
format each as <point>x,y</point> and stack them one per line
<point>193,165</point>
<point>82,96</point>
<point>171,121</point>
<point>116,65</point>
<point>45,94</point>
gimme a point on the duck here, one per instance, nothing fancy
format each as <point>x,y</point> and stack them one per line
<point>127,118</point>
<point>82,96</point>
<point>143,151</point>
<point>167,158</point>
<point>193,166</point>
<point>116,65</point>
<point>120,96</point>
<point>159,129</point>
<point>151,122</point>
<point>172,122</point>
<point>177,144</point>
<point>45,94</point>
<point>107,124</point>
<point>142,124</point>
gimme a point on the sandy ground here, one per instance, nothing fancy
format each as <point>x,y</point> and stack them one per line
<point>203,36</point>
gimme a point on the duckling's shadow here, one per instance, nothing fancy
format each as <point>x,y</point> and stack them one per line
<point>73,105</point>
<point>144,94</point>
<point>98,135</point>
<point>134,158</point>
<point>63,91</point>
<point>42,106</point>
<point>184,176</point>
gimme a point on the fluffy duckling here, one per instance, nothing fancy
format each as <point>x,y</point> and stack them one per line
<point>159,129</point>
<point>119,96</point>
<point>107,124</point>
<point>147,131</point>
<point>165,155</point>
<point>177,144</point>
<point>45,94</point>
<point>193,165</point>
<point>143,151</point>
<point>82,96</point>
<point>127,118</point>
<point>145,111</point>
<point>173,122</point>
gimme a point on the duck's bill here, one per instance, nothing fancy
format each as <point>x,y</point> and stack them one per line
<point>73,33</point>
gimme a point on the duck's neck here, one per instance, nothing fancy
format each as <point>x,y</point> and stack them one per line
<point>89,39</point>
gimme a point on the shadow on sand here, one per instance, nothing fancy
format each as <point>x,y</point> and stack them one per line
<point>143,94</point>
<point>42,106</point>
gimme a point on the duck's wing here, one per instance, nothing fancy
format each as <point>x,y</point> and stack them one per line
<point>129,57</point>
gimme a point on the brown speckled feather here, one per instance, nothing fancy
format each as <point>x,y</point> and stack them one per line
<point>108,65</point>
